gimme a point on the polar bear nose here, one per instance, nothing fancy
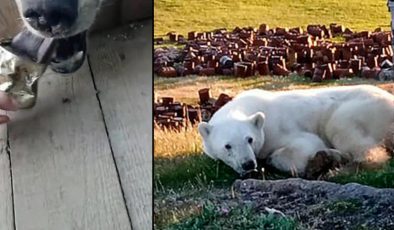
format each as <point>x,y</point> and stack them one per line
<point>53,17</point>
<point>248,165</point>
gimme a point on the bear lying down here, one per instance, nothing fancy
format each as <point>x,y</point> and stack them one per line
<point>303,131</point>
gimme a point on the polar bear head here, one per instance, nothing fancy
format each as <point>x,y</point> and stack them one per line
<point>235,141</point>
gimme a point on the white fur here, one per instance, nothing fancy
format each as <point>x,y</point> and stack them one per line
<point>352,120</point>
<point>87,11</point>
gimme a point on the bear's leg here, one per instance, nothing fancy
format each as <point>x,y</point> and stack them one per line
<point>294,156</point>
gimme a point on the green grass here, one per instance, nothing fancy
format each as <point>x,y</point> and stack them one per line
<point>345,206</point>
<point>205,15</point>
<point>199,170</point>
<point>193,170</point>
<point>380,178</point>
<point>237,218</point>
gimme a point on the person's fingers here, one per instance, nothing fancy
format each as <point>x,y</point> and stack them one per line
<point>7,102</point>
<point>4,119</point>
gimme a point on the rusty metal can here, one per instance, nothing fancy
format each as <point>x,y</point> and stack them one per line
<point>168,72</point>
<point>240,70</point>
<point>263,68</point>
<point>280,70</point>
<point>204,95</point>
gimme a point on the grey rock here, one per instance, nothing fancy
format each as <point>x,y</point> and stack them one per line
<point>321,204</point>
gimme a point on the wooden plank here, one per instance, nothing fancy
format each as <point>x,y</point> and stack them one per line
<point>64,175</point>
<point>9,19</point>
<point>108,17</point>
<point>6,206</point>
<point>122,68</point>
<point>133,10</point>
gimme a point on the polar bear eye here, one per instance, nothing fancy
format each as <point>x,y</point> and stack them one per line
<point>228,147</point>
<point>250,140</point>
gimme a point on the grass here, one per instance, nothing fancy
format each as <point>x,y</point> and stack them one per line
<point>345,206</point>
<point>193,170</point>
<point>237,218</point>
<point>170,144</point>
<point>185,89</point>
<point>205,15</point>
<point>382,178</point>
<point>179,162</point>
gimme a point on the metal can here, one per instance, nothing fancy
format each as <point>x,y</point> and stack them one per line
<point>19,76</point>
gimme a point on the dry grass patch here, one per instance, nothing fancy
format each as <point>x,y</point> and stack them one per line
<point>185,89</point>
<point>203,15</point>
<point>170,143</point>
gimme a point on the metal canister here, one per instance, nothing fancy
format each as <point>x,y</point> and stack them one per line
<point>19,76</point>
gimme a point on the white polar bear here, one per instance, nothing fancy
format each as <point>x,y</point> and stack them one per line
<point>289,129</point>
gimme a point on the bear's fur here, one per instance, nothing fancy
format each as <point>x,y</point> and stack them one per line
<point>292,130</point>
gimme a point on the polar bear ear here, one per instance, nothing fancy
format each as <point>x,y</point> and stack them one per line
<point>258,119</point>
<point>204,128</point>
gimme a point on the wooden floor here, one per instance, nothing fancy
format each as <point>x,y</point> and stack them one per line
<point>82,157</point>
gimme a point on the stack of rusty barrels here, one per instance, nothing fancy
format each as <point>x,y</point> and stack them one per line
<point>172,115</point>
<point>245,52</point>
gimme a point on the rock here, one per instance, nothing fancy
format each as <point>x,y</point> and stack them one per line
<point>320,204</point>
<point>332,190</point>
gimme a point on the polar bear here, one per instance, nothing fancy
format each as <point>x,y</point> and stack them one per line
<point>290,130</point>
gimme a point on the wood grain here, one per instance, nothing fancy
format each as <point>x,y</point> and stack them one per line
<point>9,19</point>
<point>122,68</point>
<point>133,10</point>
<point>6,205</point>
<point>63,170</point>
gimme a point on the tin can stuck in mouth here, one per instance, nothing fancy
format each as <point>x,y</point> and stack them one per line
<point>19,76</point>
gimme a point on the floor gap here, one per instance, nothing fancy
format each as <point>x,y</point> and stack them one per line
<point>8,150</point>
<point>109,139</point>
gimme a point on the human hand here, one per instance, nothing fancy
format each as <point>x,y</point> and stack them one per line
<point>7,103</point>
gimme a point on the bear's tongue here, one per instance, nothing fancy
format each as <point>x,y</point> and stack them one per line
<point>64,55</point>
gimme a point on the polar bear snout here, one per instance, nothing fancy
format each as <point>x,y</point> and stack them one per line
<point>58,18</point>
<point>50,17</point>
<point>248,165</point>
